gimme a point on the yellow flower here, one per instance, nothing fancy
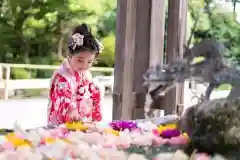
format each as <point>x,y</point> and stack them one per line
<point>162,128</point>
<point>66,140</point>
<point>171,126</point>
<point>16,141</point>
<point>185,135</point>
<point>111,131</point>
<point>26,144</point>
<point>50,140</point>
<point>116,133</point>
<point>76,126</point>
<point>10,135</point>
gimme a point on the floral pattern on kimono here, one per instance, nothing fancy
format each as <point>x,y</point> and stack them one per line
<point>72,91</point>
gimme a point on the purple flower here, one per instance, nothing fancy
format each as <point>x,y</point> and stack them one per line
<point>122,125</point>
<point>169,133</point>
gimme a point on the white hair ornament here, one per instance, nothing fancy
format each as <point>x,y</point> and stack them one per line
<point>101,47</point>
<point>77,40</point>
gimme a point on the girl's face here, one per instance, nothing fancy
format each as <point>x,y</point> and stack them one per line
<point>82,61</point>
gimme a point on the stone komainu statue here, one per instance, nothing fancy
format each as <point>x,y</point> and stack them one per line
<point>213,125</point>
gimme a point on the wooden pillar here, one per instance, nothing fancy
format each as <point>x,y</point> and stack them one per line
<point>182,40</point>
<point>129,56</point>
<point>119,58</point>
<point>182,25</point>
<point>134,95</point>
<point>141,56</point>
<point>171,98</point>
<point>156,51</point>
<point>157,32</point>
<point>124,63</point>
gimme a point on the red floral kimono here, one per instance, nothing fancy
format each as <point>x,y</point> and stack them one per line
<point>71,90</point>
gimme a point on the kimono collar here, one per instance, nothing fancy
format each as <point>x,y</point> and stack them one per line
<point>66,67</point>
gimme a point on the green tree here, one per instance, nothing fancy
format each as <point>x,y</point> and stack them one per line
<point>218,22</point>
<point>33,29</point>
<point>107,23</point>
<point>37,31</point>
<point>106,58</point>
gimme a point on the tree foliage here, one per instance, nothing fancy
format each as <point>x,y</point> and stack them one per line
<point>217,22</point>
<point>33,29</point>
<point>37,31</point>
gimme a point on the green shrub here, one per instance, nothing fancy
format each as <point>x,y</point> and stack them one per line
<point>20,73</point>
<point>56,60</point>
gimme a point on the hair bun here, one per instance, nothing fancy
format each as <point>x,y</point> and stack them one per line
<point>82,40</point>
<point>82,29</point>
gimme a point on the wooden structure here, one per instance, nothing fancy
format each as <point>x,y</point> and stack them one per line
<point>139,44</point>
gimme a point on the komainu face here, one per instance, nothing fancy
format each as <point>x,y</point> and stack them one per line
<point>164,78</point>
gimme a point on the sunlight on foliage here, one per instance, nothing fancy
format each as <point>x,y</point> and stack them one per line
<point>31,22</point>
<point>32,30</point>
<point>197,60</point>
<point>106,58</point>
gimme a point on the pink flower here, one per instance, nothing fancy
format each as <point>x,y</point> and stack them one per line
<point>156,141</point>
<point>7,146</point>
<point>108,146</point>
<point>123,146</point>
<point>155,132</point>
<point>177,140</point>
<point>202,156</point>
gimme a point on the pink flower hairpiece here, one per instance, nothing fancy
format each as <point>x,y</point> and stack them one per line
<point>77,40</point>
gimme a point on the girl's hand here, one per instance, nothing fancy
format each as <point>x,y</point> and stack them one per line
<point>73,116</point>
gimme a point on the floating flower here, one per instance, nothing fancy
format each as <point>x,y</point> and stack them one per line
<point>17,141</point>
<point>111,131</point>
<point>123,125</point>
<point>203,156</point>
<point>50,140</point>
<point>185,135</point>
<point>168,131</point>
<point>76,126</point>
<point>155,132</point>
<point>66,140</point>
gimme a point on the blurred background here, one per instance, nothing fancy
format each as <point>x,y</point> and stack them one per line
<point>37,31</point>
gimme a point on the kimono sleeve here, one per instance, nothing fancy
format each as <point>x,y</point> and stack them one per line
<point>96,98</point>
<point>61,100</point>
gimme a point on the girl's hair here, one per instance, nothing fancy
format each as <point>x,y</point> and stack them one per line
<point>90,43</point>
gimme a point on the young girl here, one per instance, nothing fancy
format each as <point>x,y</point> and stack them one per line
<point>73,96</point>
